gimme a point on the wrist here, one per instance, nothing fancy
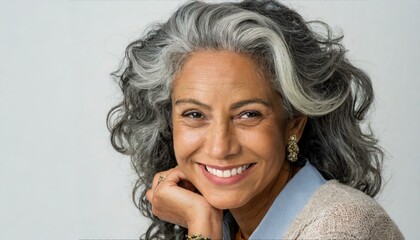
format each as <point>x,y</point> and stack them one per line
<point>208,225</point>
<point>206,230</point>
<point>197,237</point>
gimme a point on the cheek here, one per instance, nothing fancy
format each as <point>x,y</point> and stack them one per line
<point>267,142</point>
<point>186,141</point>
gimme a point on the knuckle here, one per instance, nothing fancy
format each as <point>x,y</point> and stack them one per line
<point>156,177</point>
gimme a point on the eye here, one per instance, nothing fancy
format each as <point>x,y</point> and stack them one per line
<point>250,114</point>
<point>193,114</point>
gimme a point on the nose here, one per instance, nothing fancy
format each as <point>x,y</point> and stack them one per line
<point>221,142</point>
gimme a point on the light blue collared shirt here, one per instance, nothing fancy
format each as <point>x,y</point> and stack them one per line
<point>288,204</point>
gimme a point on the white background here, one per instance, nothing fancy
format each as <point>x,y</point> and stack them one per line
<point>59,176</point>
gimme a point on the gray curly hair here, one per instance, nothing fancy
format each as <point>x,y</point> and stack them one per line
<point>308,69</point>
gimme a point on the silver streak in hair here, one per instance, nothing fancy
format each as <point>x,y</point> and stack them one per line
<point>308,69</point>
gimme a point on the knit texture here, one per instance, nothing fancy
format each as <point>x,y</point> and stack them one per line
<point>337,211</point>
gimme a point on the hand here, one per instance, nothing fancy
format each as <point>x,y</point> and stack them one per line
<point>177,201</point>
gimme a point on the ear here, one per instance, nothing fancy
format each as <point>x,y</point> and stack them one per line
<point>296,126</point>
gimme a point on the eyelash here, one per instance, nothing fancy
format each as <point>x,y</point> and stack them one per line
<point>190,114</point>
<point>255,114</point>
<point>199,115</point>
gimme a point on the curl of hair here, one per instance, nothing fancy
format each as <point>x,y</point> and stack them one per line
<point>309,69</point>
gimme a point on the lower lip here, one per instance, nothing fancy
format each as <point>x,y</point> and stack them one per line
<point>225,181</point>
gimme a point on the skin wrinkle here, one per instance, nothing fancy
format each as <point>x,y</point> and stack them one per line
<point>222,141</point>
<point>280,42</point>
<point>234,106</point>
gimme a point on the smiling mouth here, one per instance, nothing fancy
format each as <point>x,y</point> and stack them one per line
<point>227,173</point>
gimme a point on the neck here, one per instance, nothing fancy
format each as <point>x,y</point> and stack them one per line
<point>249,216</point>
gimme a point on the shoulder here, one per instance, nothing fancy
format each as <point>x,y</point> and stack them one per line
<point>339,211</point>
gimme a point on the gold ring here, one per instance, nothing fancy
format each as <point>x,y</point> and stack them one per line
<point>161,178</point>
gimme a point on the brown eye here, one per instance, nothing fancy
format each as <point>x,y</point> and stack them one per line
<point>250,114</point>
<point>193,114</point>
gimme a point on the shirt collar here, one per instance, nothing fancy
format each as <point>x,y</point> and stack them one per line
<point>289,203</point>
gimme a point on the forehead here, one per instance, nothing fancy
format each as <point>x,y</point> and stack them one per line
<point>222,72</point>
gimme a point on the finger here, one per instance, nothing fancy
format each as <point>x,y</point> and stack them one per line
<point>158,175</point>
<point>175,177</point>
<point>182,180</point>
<point>149,195</point>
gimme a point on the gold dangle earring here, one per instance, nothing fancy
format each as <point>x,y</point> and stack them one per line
<point>292,149</point>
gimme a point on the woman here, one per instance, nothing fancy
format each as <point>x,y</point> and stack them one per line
<point>242,122</point>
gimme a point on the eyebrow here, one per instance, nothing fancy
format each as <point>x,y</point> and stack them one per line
<point>234,106</point>
<point>251,101</point>
<point>192,101</point>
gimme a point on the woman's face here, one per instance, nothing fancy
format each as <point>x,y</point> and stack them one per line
<point>229,129</point>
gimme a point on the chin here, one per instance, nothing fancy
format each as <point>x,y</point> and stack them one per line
<point>226,202</point>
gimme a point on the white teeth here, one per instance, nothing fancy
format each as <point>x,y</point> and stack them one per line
<point>227,173</point>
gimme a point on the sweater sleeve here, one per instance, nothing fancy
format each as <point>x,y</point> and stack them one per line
<point>339,212</point>
<point>347,221</point>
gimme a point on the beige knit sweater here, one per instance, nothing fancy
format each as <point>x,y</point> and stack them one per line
<point>337,211</point>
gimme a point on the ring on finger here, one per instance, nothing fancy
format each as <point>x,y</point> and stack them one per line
<point>161,178</point>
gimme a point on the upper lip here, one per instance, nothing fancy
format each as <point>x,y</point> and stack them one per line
<point>225,167</point>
